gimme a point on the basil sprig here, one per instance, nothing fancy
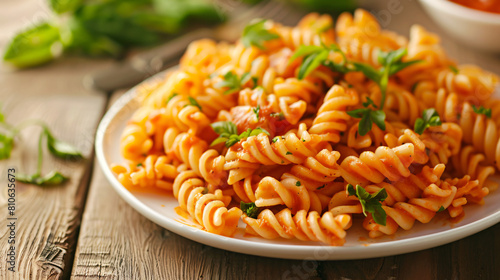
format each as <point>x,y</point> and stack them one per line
<point>370,203</point>
<point>228,133</point>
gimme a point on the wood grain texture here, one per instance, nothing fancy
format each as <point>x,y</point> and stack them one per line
<point>48,217</point>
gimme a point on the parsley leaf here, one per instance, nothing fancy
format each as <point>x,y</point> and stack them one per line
<point>234,83</point>
<point>170,97</point>
<point>314,56</point>
<point>280,116</point>
<point>256,111</point>
<point>250,209</point>
<point>231,81</point>
<point>193,102</point>
<point>441,209</point>
<point>60,148</point>
<point>370,203</point>
<point>228,133</point>
<point>368,116</point>
<point>391,64</point>
<point>256,34</point>
<point>453,69</point>
<point>6,145</point>
<point>430,117</point>
<point>52,178</point>
<point>482,110</point>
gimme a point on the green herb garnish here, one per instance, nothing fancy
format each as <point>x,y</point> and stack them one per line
<point>280,116</point>
<point>228,133</point>
<point>453,69</point>
<point>430,117</point>
<point>193,102</point>
<point>391,64</point>
<point>441,209</point>
<point>170,97</point>
<point>482,110</point>
<point>314,56</point>
<point>256,111</point>
<point>370,203</point>
<point>298,183</point>
<point>250,209</point>
<point>256,34</point>
<point>233,83</point>
<point>55,146</point>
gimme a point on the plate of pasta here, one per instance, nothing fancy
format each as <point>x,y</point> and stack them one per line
<point>327,140</point>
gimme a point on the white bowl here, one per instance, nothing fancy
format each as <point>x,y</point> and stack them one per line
<point>478,29</point>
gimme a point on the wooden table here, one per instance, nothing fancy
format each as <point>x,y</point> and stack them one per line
<point>84,230</point>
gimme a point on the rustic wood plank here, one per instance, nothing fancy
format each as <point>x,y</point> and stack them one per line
<point>48,218</point>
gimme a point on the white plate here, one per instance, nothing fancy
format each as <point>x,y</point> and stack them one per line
<point>160,209</point>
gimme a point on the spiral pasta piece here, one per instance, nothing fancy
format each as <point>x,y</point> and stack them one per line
<point>154,171</point>
<point>207,209</point>
<point>375,167</point>
<point>404,214</point>
<point>313,29</point>
<point>290,148</point>
<point>303,226</point>
<point>290,192</point>
<point>186,148</point>
<point>361,37</point>
<point>332,115</point>
<point>472,163</point>
<point>316,171</point>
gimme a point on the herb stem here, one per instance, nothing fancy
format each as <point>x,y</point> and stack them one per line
<point>16,129</point>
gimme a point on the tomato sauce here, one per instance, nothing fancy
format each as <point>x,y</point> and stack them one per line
<point>491,6</point>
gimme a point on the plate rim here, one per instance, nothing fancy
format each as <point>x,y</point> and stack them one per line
<point>283,251</point>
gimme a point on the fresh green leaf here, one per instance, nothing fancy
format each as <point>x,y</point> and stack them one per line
<point>391,57</point>
<point>280,116</point>
<point>256,111</point>
<point>369,102</point>
<point>228,133</point>
<point>358,113</point>
<point>52,178</point>
<point>171,96</point>
<point>370,72</point>
<point>311,62</point>
<point>35,46</point>
<point>224,127</point>
<point>250,209</point>
<point>63,6</point>
<point>378,117</point>
<point>401,65</point>
<point>304,51</point>
<point>453,68</point>
<point>60,148</point>
<point>193,102</point>
<point>365,124</point>
<point>256,34</point>
<point>6,145</point>
<point>430,117</point>
<point>482,110</point>
<point>371,203</point>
